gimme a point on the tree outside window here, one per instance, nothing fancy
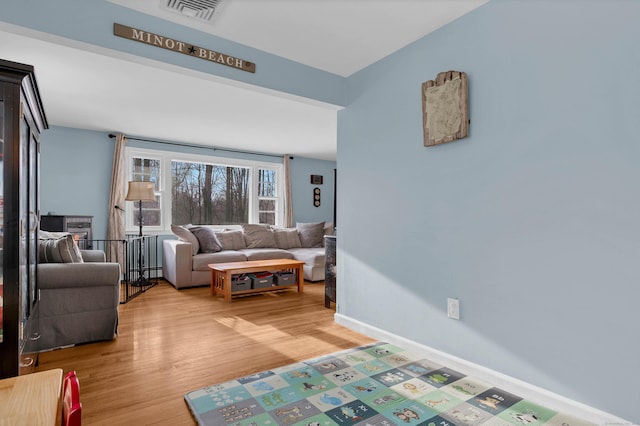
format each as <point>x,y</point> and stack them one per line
<point>209,194</point>
<point>267,196</point>
<point>204,190</point>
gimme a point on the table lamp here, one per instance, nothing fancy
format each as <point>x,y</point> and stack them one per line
<point>140,191</point>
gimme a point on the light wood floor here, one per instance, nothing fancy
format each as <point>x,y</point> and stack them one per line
<point>171,342</point>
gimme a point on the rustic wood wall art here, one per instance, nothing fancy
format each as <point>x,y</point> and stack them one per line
<point>185,48</point>
<point>445,108</point>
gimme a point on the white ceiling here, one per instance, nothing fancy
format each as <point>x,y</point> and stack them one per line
<point>92,88</point>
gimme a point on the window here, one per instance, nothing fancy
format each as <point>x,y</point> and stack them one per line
<point>267,196</point>
<point>146,170</point>
<point>204,190</point>
<point>209,194</point>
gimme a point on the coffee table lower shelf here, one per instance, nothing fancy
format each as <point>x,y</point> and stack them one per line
<point>221,274</point>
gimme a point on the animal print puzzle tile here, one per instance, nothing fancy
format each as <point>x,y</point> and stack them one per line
<point>413,388</point>
<point>494,400</point>
<point>466,414</point>
<point>526,412</point>
<point>561,419</point>
<point>466,388</point>
<point>442,377</point>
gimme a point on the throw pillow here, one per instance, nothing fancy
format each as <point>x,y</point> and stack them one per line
<point>287,238</point>
<point>258,236</point>
<point>183,234</point>
<point>328,230</point>
<point>58,247</point>
<point>231,240</point>
<point>207,239</point>
<point>311,234</point>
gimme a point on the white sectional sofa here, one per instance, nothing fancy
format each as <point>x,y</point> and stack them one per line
<point>185,259</point>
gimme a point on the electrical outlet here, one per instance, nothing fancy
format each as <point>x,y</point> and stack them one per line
<point>453,308</point>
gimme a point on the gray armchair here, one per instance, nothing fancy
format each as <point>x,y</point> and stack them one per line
<point>78,301</point>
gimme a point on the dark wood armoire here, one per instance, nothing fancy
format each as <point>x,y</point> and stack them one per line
<point>22,120</point>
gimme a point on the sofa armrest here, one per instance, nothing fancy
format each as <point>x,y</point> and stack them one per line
<point>67,275</point>
<point>93,255</point>
<point>177,262</point>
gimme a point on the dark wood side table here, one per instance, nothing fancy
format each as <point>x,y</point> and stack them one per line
<point>329,270</point>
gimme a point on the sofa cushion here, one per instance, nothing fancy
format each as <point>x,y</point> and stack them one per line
<point>266,254</point>
<point>311,234</point>
<point>328,229</point>
<point>207,239</point>
<point>93,256</point>
<point>201,260</point>
<point>183,234</point>
<point>231,240</point>
<point>310,256</point>
<point>258,236</point>
<point>85,275</point>
<point>287,238</point>
<point>58,247</point>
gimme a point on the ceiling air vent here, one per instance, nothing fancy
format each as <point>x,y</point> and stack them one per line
<point>198,9</point>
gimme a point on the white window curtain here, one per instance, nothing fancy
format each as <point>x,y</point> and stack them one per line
<point>288,204</point>
<point>115,215</point>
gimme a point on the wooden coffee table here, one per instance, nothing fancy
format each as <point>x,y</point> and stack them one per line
<point>221,275</point>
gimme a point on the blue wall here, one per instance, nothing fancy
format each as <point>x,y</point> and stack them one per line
<point>532,221</point>
<point>75,176</point>
<point>302,189</point>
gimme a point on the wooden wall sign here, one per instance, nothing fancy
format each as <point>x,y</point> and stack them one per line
<point>182,47</point>
<point>445,108</point>
<point>316,179</point>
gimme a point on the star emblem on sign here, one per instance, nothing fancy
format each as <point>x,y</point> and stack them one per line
<point>192,50</point>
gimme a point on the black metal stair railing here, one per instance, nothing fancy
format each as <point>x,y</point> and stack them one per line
<point>138,258</point>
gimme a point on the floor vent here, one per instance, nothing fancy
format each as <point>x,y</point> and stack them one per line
<point>202,10</point>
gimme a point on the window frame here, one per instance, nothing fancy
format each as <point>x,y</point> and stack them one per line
<point>164,192</point>
<point>278,199</point>
<point>130,226</point>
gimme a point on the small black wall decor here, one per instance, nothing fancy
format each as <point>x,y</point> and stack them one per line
<point>316,179</point>
<point>316,197</point>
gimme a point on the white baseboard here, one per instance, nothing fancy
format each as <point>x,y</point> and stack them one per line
<point>518,387</point>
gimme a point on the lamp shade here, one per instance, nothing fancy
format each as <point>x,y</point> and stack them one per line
<point>140,191</point>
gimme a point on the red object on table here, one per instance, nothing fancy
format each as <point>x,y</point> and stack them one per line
<point>71,406</point>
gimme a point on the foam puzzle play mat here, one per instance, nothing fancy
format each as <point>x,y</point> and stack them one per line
<point>377,384</point>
